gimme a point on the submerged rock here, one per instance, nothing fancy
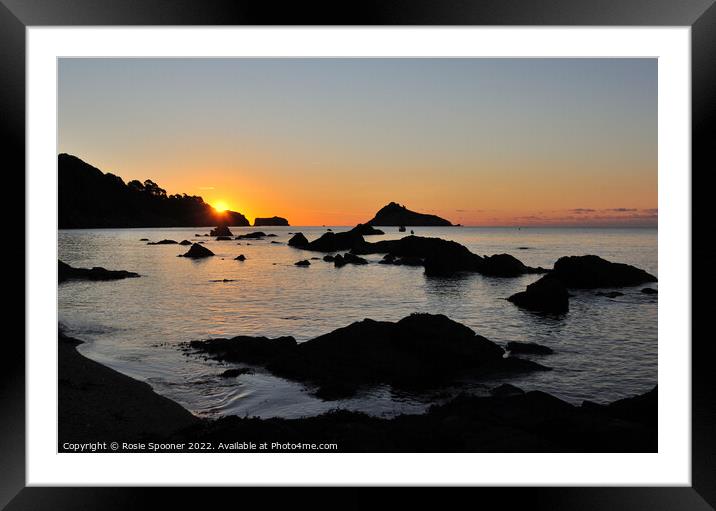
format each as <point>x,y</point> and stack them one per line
<point>221,230</point>
<point>328,258</point>
<point>507,390</point>
<point>590,271</point>
<point>305,262</point>
<point>609,294</point>
<point>649,291</point>
<point>233,373</point>
<point>143,239</point>
<point>240,257</point>
<point>528,348</point>
<point>163,242</point>
<point>66,272</point>
<point>198,251</point>
<point>223,238</point>
<point>251,235</point>
<point>419,351</point>
<point>548,294</point>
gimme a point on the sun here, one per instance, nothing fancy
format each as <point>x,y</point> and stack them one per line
<point>220,206</point>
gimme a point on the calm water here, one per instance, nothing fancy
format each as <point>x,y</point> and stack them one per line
<point>605,348</point>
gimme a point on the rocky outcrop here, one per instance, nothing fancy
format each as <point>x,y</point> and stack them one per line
<point>548,294</point>
<point>197,251</point>
<point>274,220</point>
<point>395,215</point>
<point>66,272</point>
<point>221,230</point>
<point>590,271</point>
<point>421,350</point>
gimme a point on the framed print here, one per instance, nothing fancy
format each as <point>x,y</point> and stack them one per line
<point>420,246</point>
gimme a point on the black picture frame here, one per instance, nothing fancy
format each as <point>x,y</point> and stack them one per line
<point>700,15</point>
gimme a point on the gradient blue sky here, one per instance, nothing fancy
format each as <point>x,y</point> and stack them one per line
<point>329,141</point>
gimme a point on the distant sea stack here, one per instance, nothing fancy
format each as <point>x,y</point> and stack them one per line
<point>395,215</point>
<point>89,198</point>
<point>274,220</point>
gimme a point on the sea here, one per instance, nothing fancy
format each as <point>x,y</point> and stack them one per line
<point>604,348</point>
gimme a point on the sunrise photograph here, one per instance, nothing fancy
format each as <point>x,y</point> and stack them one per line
<point>357,255</point>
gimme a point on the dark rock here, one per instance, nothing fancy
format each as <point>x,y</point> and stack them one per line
<point>276,243</point>
<point>251,350</point>
<point>240,257</point>
<point>610,294</point>
<point>388,259</point>
<point>396,215</point>
<point>66,272</point>
<point>197,251</point>
<point>409,261</point>
<point>507,390</point>
<point>419,351</point>
<point>185,242</point>
<point>233,373</point>
<point>315,259</point>
<point>366,230</point>
<point>305,262</point>
<point>334,241</point>
<point>223,280</point>
<point>274,220</point>
<point>528,348</point>
<point>526,422</point>
<point>505,265</point>
<point>590,271</point>
<point>143,239</point>
<point>328,258</point>
<point>298,240</point>
<point>348,258</point>
<point>548,294</point>
<point>649,291</point>
<point>163,242</point>
<point>256,235</point>
<point>223,238</point>
<point>401,228</point>
<point>221,230</point>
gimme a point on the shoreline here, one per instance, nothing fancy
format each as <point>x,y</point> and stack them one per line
<point>98,405</point>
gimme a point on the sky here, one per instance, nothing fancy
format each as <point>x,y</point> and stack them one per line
<point>330,141</point>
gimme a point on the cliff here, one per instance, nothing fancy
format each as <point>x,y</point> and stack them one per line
<point>90,198</point>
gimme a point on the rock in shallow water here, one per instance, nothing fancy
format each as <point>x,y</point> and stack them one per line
<point>198,251</point>
<point>419,351</point>
<point>66,272</point>
<point>546,295</point>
